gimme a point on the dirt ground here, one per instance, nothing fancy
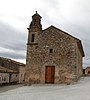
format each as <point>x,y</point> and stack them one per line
<point>4,88</point>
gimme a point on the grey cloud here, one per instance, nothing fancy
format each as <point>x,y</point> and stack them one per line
<point>15,46</point>
<point>12,40</point>
<point>11,55</point>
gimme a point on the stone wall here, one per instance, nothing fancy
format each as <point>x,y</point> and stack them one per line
<point>79,63</point>
<point>4,78</point>
<point>64,57</point>
<point>21,74</point>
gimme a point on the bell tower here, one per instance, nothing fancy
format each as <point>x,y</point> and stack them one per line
<point>34,30</point>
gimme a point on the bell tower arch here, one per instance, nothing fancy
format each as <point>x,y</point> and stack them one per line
<point>35,28</point>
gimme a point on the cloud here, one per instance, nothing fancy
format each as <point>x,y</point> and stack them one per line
<point>12,42</point>
<point>13,55</point>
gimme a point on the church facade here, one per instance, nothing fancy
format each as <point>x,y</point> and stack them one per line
<point>53,56</point>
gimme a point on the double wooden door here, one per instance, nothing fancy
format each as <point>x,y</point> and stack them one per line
<point>49,74</point>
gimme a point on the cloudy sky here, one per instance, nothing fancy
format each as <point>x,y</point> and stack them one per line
<point>72,16</point>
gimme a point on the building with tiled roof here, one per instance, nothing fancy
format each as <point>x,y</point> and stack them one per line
<point>11,71</point>
<point>53,56</point>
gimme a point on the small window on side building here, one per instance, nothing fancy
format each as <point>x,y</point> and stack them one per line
<point>50,50</point>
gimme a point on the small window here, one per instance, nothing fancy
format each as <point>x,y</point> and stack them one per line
<point>32,38</point>
<point>16,75</point>
<point>50,50</point>
<point>2,64</point>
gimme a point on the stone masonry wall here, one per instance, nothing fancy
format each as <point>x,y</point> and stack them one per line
<point>79,64</point>
<point>63,57</point>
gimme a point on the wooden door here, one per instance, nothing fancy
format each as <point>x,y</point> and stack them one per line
<point>49,74</point>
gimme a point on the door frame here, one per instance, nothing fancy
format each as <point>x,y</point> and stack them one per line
<point>52,73</point>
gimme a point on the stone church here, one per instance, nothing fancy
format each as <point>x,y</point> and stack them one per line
<point>53,56</point>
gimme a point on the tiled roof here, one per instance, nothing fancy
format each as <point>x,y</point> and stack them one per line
<point>6,70</point>
<point>10,60</point>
